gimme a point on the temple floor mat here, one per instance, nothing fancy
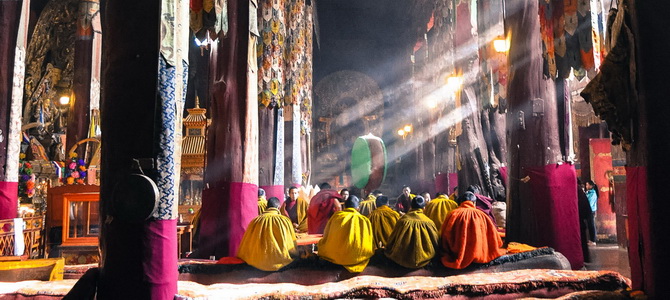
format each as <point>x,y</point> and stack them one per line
<point>540,283</point>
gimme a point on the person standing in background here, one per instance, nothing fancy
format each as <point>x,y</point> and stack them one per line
<point>592,195</point>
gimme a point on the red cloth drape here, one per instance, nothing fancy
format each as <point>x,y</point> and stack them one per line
<point>442,183</point>
<point>160,263</point>
<point>554,192</point>
<point>274,191</point>
<point>503,176</point>
<point>8,199</point>
<point>639,228</point>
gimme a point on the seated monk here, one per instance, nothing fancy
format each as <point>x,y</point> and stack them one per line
<point>368,205</point>
<point>404,200</point>
<point>322,206</point>
<point>438,209</point>
<point>269,243</point>
<point>414,239</point>
<point>483,203</point>
<point>382,219</point>
<point>454,194</point>
<point>347,239</point>
<point>469,236</point>
<point>295,208</point>
<point>262,203</point>
<point>345,195</point>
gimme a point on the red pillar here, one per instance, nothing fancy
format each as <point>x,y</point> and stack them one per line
<point>542,211</point>
<point>131,114</point>
<point>648,160</point>
<point>79,116</point>
<point>231,176</point>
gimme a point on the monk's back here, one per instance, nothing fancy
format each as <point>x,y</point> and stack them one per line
<point>469,236</point>
<point>269,242</point>
<point>414,239</point>
<point>383,219</point>
<point>347,240</point>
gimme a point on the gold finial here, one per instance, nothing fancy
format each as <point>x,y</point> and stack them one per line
<point>197,102</point>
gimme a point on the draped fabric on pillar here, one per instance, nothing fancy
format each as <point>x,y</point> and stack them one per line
<point>639,227</point>
<point>12,53</point>
<point>560,216</point>
<point>231,175</point>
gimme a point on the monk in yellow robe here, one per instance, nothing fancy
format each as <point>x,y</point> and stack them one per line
<point>262,203</point>
<point>295,208</point>
<point>347,239</point>
<point>368,205</point>
<point>414,240</point>
<point>269,243</point>
<point>469,236</point>
<point>383,219</point>
<point>438,209</point>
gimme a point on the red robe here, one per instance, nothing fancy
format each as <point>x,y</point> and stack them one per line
<point>322,206</point>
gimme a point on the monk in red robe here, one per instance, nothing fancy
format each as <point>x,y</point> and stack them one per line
<point>322,206</point>
<point>404,200</point>
<point>469,236</point>
<point>483,203</point>
<point>295,208</point>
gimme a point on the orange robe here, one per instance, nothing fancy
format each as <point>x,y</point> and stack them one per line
<point>438,209</point>
<point>269,242</point>
<point>368,205</point>
<point>382,219</point>
<point>347,240</point>
<point>413,242</point>
<point>469,236</point>
<point>323,205</point>
<point>301,211</point>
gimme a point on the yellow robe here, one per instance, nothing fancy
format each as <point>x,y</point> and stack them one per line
<point>301,211</point>
<point>438,209</point>
<point>367,206</point>
<point>269,242</point>
<point>262,205</point>
<point>383,220</point>
<point>347,240</point>
<point>414,240</point>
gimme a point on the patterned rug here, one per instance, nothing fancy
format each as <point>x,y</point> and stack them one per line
<point>513,284</point>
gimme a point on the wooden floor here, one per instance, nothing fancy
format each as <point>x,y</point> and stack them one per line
<point>609,257</point>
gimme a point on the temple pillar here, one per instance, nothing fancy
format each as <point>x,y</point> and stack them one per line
<point>79,115</point>
<point>542,207</point>
<point>144,86</point>
<point>231,175</point>
<point>648,160</point>
<point>13,30</point>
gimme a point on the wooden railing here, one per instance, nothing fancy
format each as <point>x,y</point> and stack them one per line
<point>32,237</point>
